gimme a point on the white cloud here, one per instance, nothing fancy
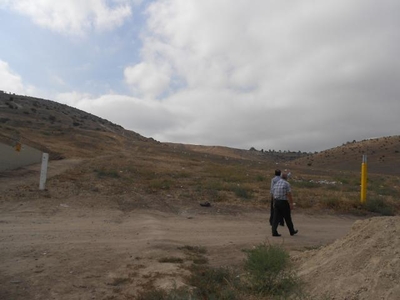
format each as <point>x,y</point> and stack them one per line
<point>74,17</point>
<point>279,73</point>
<point>73,98</point>
<point>12,82</point>
<point>147,79</point>
<point>145,117</point>
<point>9,80</point>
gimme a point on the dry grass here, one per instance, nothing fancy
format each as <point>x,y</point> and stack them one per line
<point>121,162</point>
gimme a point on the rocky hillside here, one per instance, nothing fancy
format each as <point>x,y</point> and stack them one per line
<point>59,129</point>
<point>383,156</point>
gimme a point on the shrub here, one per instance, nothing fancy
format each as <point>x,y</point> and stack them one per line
<point>260,178</point>
<point>118,281</point>
<point>332,203</point>
<point>107,173</point>
<point>215,185</point>
<point>171,259</point>
<point>212,194</point>
<point>269,270</point>
<point>200,260</point>
<point>212,283</point>
<point>158,184</point>
<point>381,188</point>
<point>378,205</point>
<point>242,192</point>
<point>269,274</point>
<point>194,249</point>
<point>228,173</point>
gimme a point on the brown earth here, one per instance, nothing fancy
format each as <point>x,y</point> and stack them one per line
<point>365,264</point>
<point>83,248</point>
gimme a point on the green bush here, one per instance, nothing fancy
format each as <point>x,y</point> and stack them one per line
<point>384,190</point>
<point>378,205</point>
<point>242,192</point>
<point>209,284</point>
<point>212,283</point>
<point>107,173</point>
<point>269,271</point>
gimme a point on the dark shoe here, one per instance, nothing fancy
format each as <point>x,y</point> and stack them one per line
<point>294,232</point>
<point>276,234</point>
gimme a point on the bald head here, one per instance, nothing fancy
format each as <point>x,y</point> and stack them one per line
<point>284,176</point>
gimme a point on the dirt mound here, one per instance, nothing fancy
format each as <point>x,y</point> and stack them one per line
<point>365,264</point>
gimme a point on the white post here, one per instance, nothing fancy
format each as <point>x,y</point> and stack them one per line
<point>43,171</point>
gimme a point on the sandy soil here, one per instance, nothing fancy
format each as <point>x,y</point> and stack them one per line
<point>365,264</point>
<point>54,249</point>
<point>76,254</point>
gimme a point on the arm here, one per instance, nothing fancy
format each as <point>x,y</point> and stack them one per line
<point>271,186</point>
<point>290,198</point>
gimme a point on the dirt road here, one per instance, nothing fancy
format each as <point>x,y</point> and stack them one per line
<point>81,254</point>
<point>54,249</point>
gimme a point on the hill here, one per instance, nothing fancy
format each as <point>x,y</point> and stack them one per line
<point>59,129</point>
<point>383,156</point>
<point>67,132</point>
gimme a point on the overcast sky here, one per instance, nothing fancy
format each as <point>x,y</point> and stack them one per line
<point>289,75</point>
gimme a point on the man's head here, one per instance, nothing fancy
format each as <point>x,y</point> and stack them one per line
<point>277,172</point>
<point>284,176</point>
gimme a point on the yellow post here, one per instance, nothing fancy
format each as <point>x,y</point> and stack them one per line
<point>18,147</point>
<point>364,179</point>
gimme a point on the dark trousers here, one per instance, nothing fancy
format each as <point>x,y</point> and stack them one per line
<point>282,209</point>
<point>271,217</point>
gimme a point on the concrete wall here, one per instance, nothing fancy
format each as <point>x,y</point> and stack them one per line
<point>11,159</point>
